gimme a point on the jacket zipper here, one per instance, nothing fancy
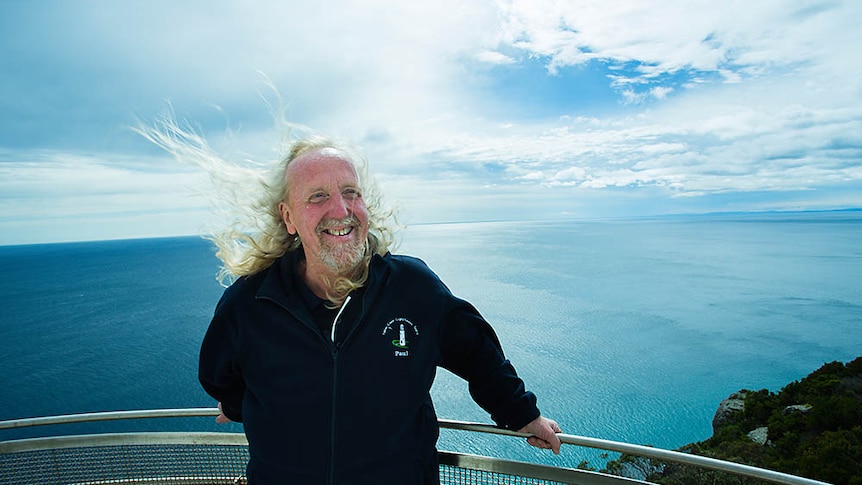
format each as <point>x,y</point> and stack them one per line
<point>334,391</point>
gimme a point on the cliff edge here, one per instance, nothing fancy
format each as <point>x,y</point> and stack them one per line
<point>810,428</point>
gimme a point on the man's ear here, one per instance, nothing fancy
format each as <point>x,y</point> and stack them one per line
<point>284,210</point>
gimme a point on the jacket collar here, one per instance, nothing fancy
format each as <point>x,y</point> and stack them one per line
<point>278,284</point>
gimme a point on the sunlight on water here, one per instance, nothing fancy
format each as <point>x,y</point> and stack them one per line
<point>636,331</point>
<point>630,331</point>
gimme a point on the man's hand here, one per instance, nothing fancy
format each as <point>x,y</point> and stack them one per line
<point>544,433</point>
<point>221,418</point>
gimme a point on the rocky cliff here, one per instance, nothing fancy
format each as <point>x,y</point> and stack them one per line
<point>810,428</point>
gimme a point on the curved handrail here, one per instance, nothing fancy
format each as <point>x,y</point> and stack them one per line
<point>108,416</point>
<point>648,452</point>
<point>119,439</point>
<point>638,450</point>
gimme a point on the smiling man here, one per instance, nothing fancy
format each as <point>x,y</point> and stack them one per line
<point>325,210</point>
<point>326,346</point>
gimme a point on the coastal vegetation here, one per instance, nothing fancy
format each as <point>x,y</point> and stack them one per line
<point>811,428</point>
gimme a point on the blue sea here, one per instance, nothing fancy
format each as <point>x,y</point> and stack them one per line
<point>627,330</point>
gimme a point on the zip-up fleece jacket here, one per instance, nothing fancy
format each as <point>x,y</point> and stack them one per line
<point>356,409</point>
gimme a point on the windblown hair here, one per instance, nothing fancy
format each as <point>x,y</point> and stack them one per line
<point>252,235</point>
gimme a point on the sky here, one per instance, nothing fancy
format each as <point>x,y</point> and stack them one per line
<point>468,110</point>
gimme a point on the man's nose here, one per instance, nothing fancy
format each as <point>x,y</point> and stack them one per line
<point>340,207</point>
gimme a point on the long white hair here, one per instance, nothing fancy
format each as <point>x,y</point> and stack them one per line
<point>251,234</point>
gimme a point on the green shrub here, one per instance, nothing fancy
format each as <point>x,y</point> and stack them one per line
<point>822,440</point>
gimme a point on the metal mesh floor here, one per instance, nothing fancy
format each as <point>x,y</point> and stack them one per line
<point>180,464</point>
<point>162,464</point>
<point>452,475</point>
<point>220,458</point>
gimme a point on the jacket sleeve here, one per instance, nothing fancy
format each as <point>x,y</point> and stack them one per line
<point>218,371</point>
<point>472,351</point>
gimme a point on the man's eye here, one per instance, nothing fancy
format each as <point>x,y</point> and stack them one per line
<point>351,194</point>
<point>317,197</point>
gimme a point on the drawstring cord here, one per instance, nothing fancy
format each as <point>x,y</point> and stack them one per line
<point>340,310</point>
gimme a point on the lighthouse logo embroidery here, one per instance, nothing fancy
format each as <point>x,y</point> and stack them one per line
<point>401,331</point>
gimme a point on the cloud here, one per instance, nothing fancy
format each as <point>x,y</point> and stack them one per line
<point>536,102</point>
<point>494,57</point>
<point>56,192</point>
<point>652,42</point>
<point>750,102</point>
<point>741,140</point>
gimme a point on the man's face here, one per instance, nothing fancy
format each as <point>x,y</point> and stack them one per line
<point>325,207</point>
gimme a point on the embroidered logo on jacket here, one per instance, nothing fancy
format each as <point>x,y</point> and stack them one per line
<point>401,331</point>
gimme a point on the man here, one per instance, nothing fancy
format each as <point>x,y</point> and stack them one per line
<point>326,348</point>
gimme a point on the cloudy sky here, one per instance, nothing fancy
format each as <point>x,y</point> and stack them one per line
<point>468,110</point>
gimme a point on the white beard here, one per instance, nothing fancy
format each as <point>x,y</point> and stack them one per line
<point>342,258</point>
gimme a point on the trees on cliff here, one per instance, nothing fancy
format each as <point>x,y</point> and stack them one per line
<point>811,428</point>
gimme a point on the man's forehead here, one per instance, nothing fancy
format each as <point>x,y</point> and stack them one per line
<point>318,166</point>
<point>321,155</point>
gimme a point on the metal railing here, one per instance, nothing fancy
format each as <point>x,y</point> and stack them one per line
<point>217,457</point>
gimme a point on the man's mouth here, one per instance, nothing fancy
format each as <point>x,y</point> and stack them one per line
<point>338,227</point>
<point>339,232</point>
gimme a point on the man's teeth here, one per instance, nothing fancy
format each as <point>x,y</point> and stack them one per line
<point>339,232</point>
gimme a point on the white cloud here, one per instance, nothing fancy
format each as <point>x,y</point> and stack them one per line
<point>61,192</point>
<point>735,38</point>
<point>711,97</point>
<point>661,92</point>
<point>713,141</point>
<point>569,175</point>
<point>494,57</point>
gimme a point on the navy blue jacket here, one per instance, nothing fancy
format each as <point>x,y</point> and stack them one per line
<point>356,410</point>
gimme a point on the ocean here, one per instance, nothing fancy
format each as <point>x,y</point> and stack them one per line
<point>627,330</point>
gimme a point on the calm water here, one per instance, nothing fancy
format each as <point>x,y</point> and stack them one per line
<point>630,331</point>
